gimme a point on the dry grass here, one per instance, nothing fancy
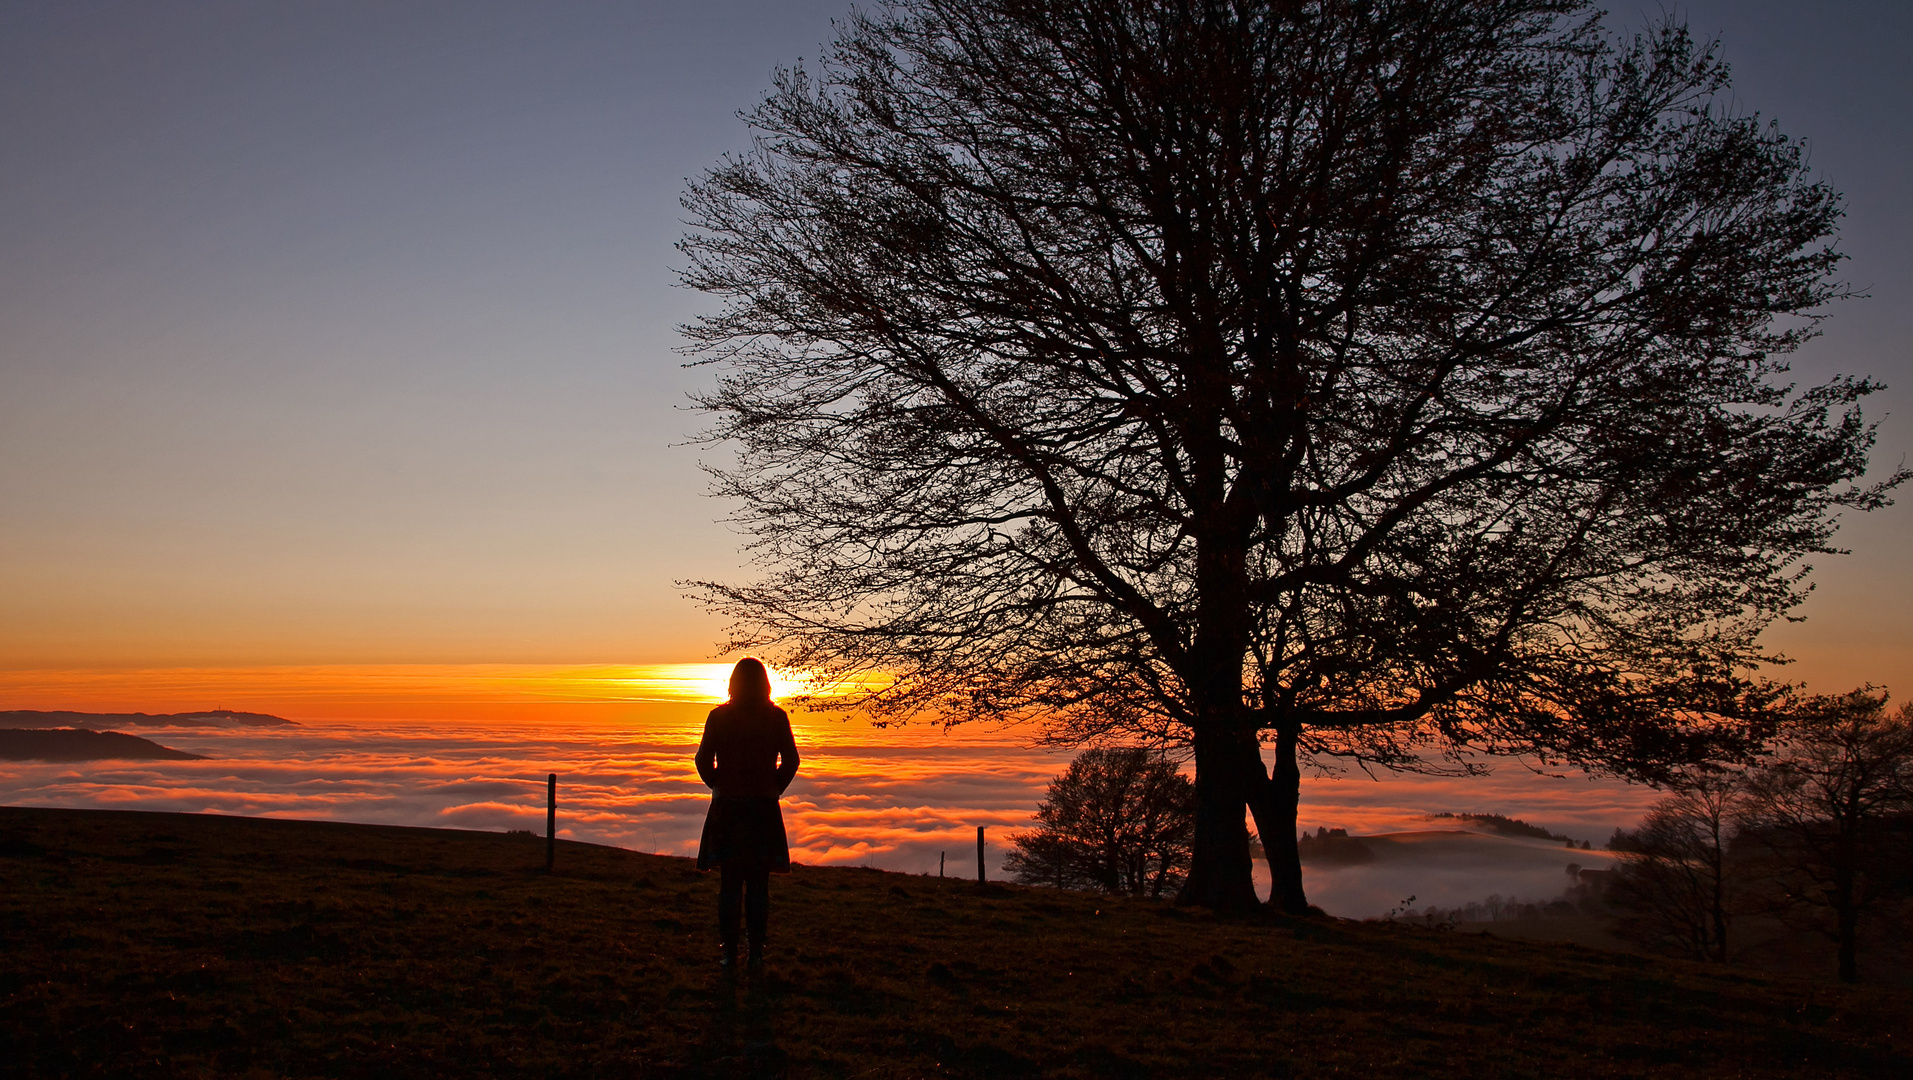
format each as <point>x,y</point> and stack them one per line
<point>157,944</point>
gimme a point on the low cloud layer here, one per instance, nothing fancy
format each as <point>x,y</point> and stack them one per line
<point>1446,867</point>
<point>892,799</point>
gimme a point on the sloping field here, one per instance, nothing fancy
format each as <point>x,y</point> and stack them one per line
<point>167,945</point>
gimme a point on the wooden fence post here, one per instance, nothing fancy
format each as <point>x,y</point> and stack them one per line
<point>979,854</point>
<point>551,821</point>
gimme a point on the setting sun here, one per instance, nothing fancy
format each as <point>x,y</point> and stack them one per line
<point>700,682</point>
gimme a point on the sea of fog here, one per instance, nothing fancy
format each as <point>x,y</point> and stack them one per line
<point>898,800</point>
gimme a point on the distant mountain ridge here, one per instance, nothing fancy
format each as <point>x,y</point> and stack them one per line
<point>214,718</point>
<point>81,744</point>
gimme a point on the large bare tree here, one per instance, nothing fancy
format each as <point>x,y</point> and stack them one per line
<point>1386,378</point>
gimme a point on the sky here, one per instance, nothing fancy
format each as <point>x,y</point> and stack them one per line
<point>344,333</point>
<point>339,371</point>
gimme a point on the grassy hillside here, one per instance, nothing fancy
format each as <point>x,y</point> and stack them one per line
<point>157,944</point>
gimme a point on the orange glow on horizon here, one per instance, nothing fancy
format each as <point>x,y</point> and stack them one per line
<point>447,691</point>
<point>179,689</point>
<point>652,697</point>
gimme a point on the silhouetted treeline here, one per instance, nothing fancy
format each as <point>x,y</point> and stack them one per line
<point>1507,826</point>
<point>1815,838</point>
<point>1333,847</point>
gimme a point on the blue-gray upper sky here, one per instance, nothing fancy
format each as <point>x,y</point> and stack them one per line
<point>342,332</point>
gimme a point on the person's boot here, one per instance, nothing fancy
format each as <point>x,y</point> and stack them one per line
<point>757,923</point>
<point>728,916</point>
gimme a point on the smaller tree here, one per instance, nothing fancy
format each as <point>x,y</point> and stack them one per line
<point>1120,820</point>
<point>1822,812</point>
<point>1675,887</point>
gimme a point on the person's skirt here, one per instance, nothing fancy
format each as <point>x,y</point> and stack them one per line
<point>751,828</point>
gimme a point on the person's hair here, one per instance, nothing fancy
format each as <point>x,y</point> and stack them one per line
<point>750,681</point>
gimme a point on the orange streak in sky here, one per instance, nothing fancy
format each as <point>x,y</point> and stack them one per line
<point>454,692</point>
<point>651,697</point>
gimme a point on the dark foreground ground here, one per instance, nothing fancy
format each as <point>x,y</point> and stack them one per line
<point>136,944</point>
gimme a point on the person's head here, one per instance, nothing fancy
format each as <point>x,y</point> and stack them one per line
<point>749,681</point>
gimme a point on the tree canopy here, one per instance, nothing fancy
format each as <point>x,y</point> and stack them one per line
<point>1384,379</point>
<point>1119,820</point>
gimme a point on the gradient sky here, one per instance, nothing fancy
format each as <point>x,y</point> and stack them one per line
<point>342,333</point>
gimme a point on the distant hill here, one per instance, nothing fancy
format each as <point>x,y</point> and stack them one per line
<point>214,718</point>
<point>1506,826</point>
<point>80,744</point>
<point>1335,847</point>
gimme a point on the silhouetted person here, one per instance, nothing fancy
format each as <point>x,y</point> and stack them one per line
<point>744,830</point>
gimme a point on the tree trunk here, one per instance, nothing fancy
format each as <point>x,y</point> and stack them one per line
<point>1847,918</point>
<point>1221,873</point>
<point>1277,801</point>
<point>1719,902</point>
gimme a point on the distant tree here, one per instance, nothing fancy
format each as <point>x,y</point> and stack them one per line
<point>1824,812</point>
<point>1334,847</point>
<point>1676,888</point>
<point>1118,820</point>
<point>1374,378</point>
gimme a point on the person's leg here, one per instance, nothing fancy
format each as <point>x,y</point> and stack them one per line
<point>730,905</point>
<point>757,907</point>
